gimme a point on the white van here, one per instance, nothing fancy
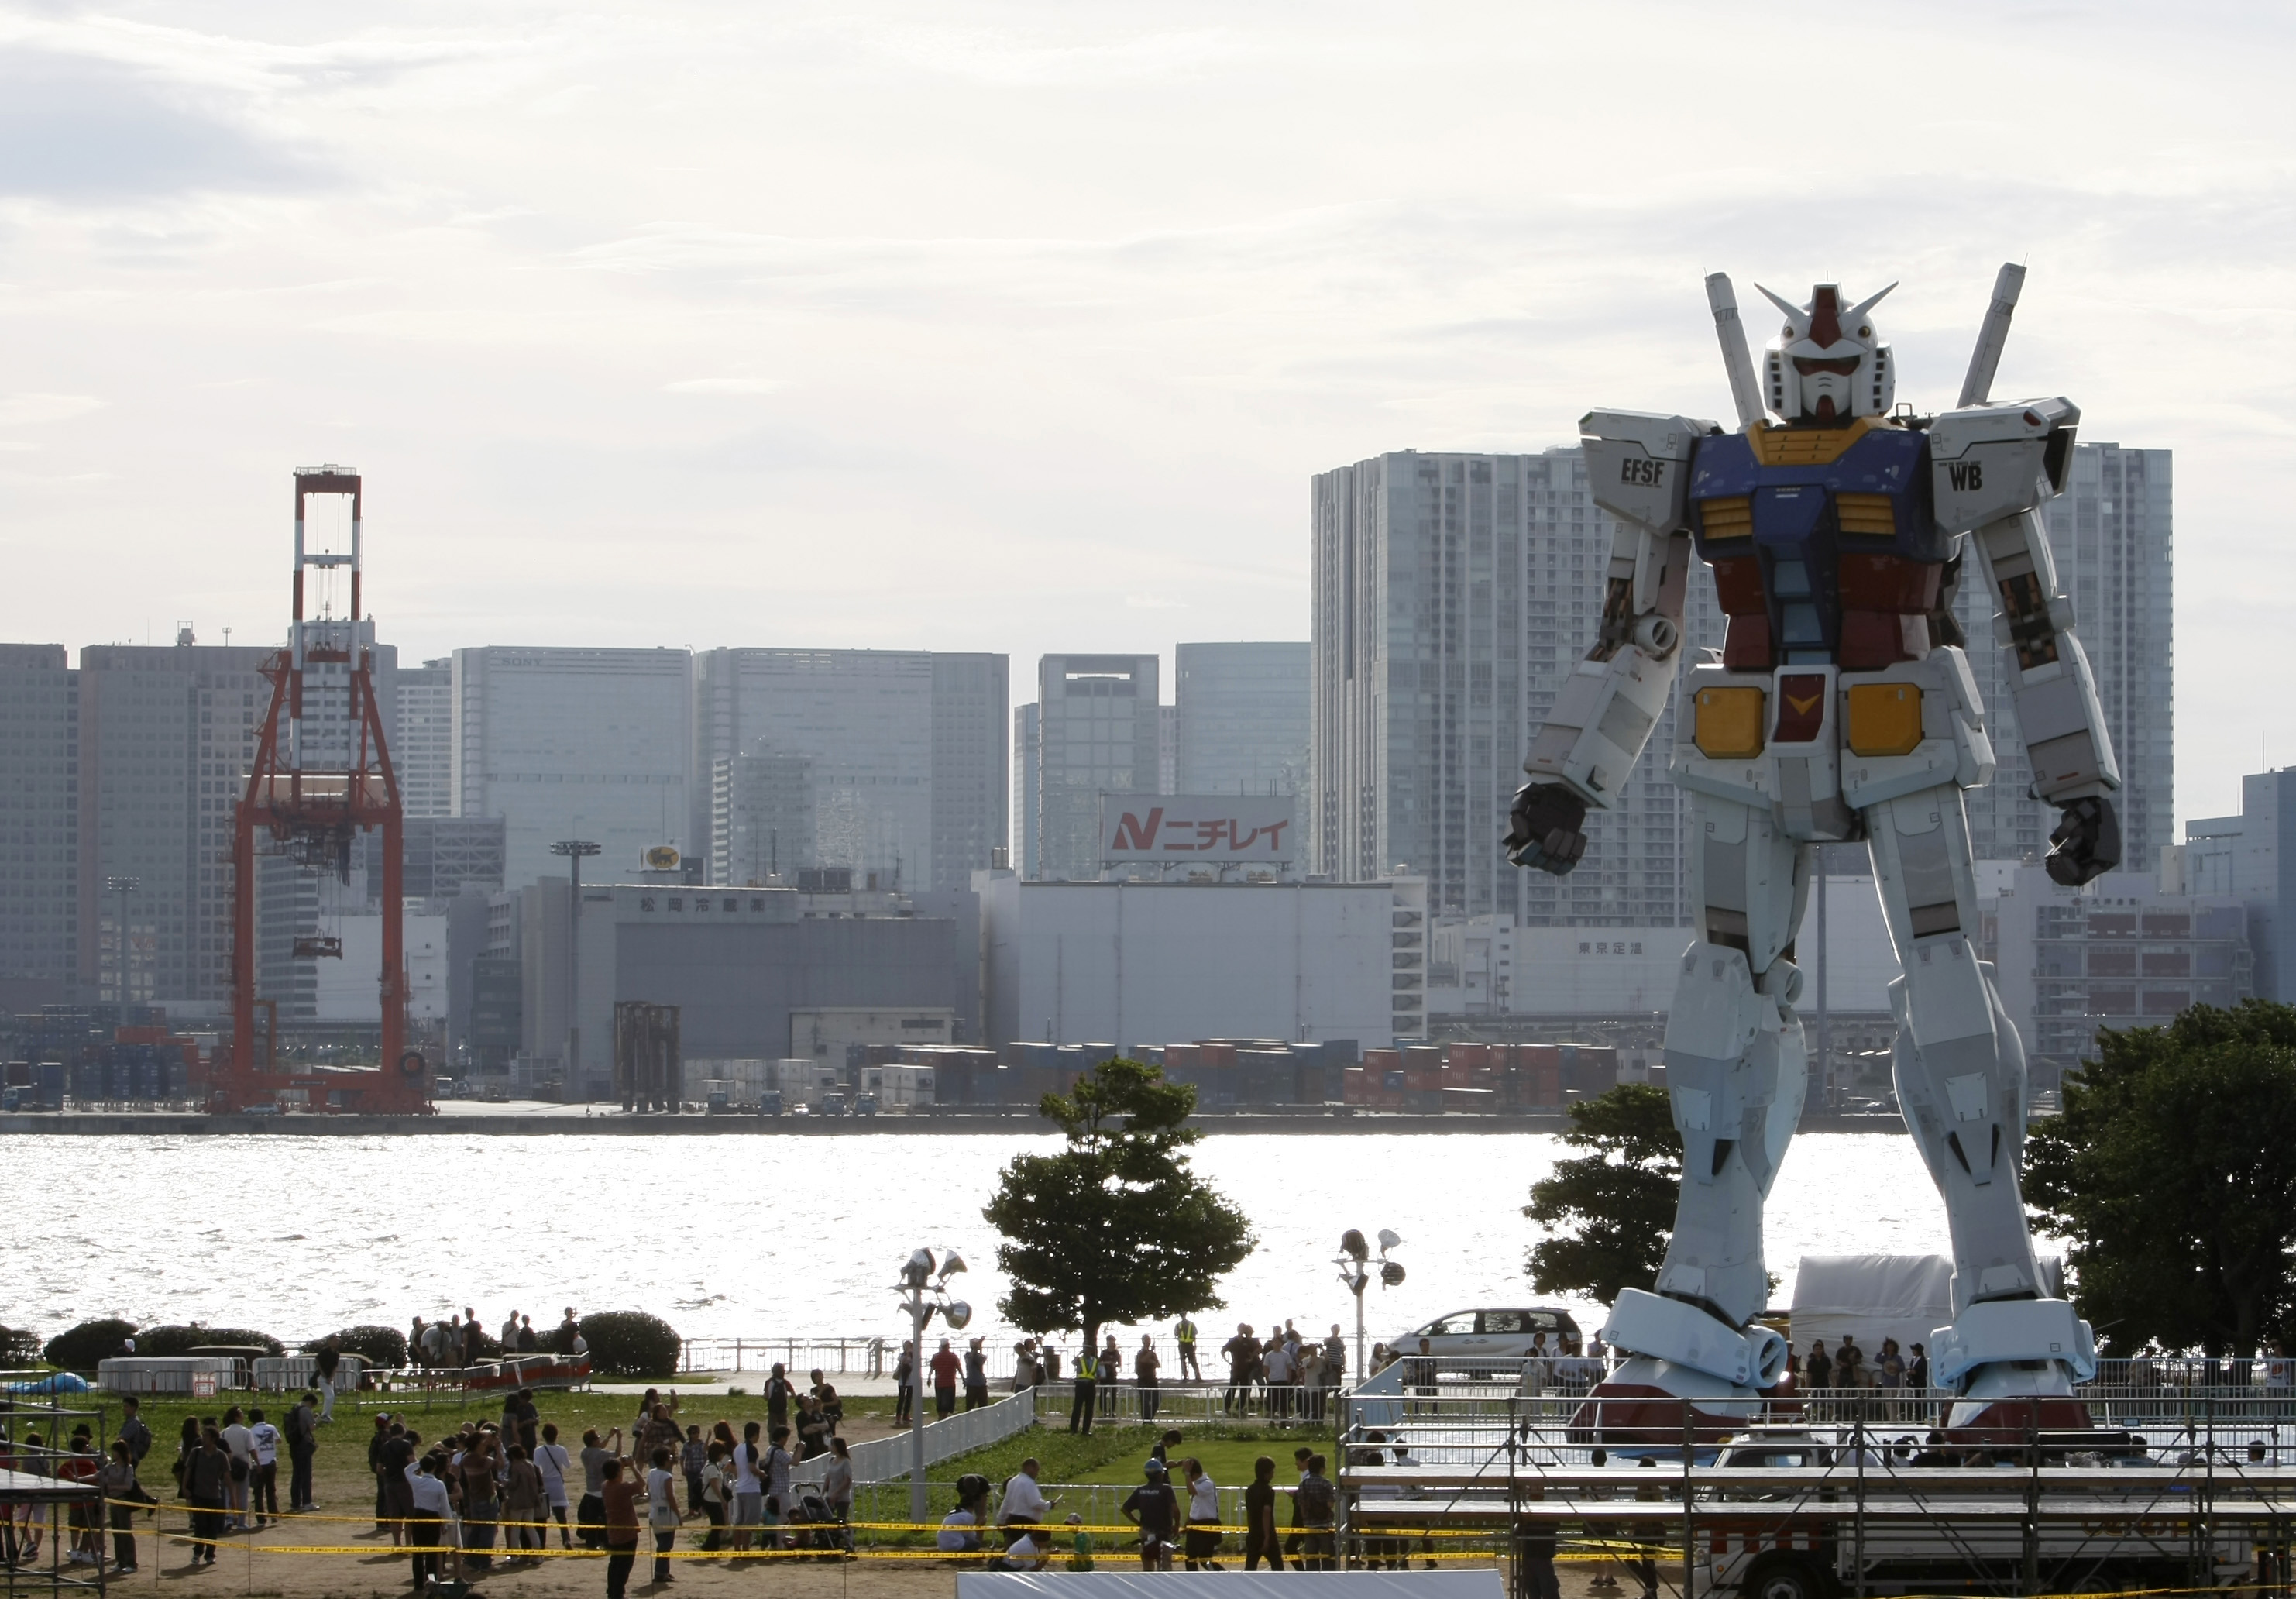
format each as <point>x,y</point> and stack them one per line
<point>1502,1334</point>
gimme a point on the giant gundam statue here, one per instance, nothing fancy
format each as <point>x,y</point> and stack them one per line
<point>1841,708</point>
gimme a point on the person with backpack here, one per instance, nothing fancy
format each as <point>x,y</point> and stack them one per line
<point>1318,1501</point>
<point>207,1484</point>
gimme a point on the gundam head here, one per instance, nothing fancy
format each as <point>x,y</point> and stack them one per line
<point>1826,365</point>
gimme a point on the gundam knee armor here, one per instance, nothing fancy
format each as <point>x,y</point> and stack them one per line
<point>1840,707</point>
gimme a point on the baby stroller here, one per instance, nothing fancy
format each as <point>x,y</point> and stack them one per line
<point>813,1526</point>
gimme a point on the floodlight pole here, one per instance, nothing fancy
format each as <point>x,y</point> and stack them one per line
<point>920,1313</point>
<point>917,1279</point>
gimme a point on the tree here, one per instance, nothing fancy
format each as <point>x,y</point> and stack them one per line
<point>1618,1198</point>
<point>2172,1170</point>
<point>1115,1229</point>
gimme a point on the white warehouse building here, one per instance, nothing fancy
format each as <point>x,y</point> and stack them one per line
<point>1137,964</point>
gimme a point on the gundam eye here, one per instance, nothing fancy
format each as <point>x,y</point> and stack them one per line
<point>1806,366</point>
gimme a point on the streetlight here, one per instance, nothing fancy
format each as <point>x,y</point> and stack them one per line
<point>574,850</point>
<point>1354,1271</point>
<point>123,887</point>
<point>919,1279</point>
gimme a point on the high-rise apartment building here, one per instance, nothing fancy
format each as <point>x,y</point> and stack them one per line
<point>906,746</point>
<point>1025,722</point>
<point>761,817</point>
<point>166,736</point>
<point>2110,533</point>
<point>1099,731</point>
<point>39,826</point>
<point>422,738</point>
<point>1451,594</point>
<point>575,743</point>
<point>1241,710</point>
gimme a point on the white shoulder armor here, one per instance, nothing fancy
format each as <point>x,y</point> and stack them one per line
<point>1988,462</point>
<point>1638,463</point>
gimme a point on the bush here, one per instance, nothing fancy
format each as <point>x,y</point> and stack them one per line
<point>377,1346</point>
<point>630,1343</point>
<point>19,1347</point>
<point>79,1349</point>
<point>182,1340</point>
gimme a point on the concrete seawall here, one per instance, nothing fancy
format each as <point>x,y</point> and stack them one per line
<point>149,1123</point>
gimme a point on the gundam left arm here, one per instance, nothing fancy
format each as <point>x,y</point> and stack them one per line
<point>2025,450</point>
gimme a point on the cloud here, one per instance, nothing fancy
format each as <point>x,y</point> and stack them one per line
<point>17,410</point>
<point>77,129</point>
<point>725,386</point>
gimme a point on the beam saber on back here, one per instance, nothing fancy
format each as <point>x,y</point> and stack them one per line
<point>1841,709</point>
<point>1985,360</point>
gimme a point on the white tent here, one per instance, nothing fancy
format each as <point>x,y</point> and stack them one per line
<point>1230,1584</point>
<point>1871,1298</point>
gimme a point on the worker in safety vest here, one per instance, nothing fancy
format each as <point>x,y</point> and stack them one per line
<point>1085,1388</point>
<point>1184,1335</point>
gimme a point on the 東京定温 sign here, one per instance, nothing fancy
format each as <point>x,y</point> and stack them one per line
<point>1196,827</point>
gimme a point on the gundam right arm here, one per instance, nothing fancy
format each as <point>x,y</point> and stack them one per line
<point>1638,466</point>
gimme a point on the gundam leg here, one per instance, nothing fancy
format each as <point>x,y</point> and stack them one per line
<point>1737,1071</point>
<point>2013,1353</point>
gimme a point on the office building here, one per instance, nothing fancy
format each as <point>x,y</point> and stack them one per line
<point>574,743</point>
<point>1099,731</point>
<point>167,738</point>
<point>2110,533</point>
<point>761,817</point>
<point>1129,964</point>
<point>1241,716</point>
<point>2250,859</point>
<point>751,971</point>
<point>422,738</point>
<point>2127,950</point>
<point>1025,722</point>
<point>39,827</point>
<point>1451,594</point>
<point>906,752</point>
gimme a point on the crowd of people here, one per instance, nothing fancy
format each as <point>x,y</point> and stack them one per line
<point>1011,1528</point>
<point>461,1340</point>
<point>448,1497</point>
<point>1287,1375</point>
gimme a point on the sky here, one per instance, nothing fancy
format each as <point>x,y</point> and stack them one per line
<point>1023,328</point>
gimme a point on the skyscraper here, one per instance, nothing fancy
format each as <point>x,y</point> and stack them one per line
<point>39,826</point>
<point>761,816</point>
<point>1098,732</point>
<point>907,750</point>
<point>2110,533</point>
<point>1451,594</point>
<point>1242,716</point>
<point>422,735</point>
<point>166,736</point>
<point>1025,722</point>
<point>573,743</point>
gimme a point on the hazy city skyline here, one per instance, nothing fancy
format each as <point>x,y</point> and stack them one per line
<point>704,328</point>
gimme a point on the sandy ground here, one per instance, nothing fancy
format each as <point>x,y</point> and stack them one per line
<point>262,1564</point>
<point>346,1557</point>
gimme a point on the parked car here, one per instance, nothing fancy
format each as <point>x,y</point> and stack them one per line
<point>1505,1335</point>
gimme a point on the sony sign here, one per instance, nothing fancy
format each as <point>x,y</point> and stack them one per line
<point>1196,827</point>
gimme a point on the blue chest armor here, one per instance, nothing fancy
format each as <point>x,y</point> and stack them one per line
<point>1823,544</point>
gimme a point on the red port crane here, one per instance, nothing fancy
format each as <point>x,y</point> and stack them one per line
<point>321,776</point>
